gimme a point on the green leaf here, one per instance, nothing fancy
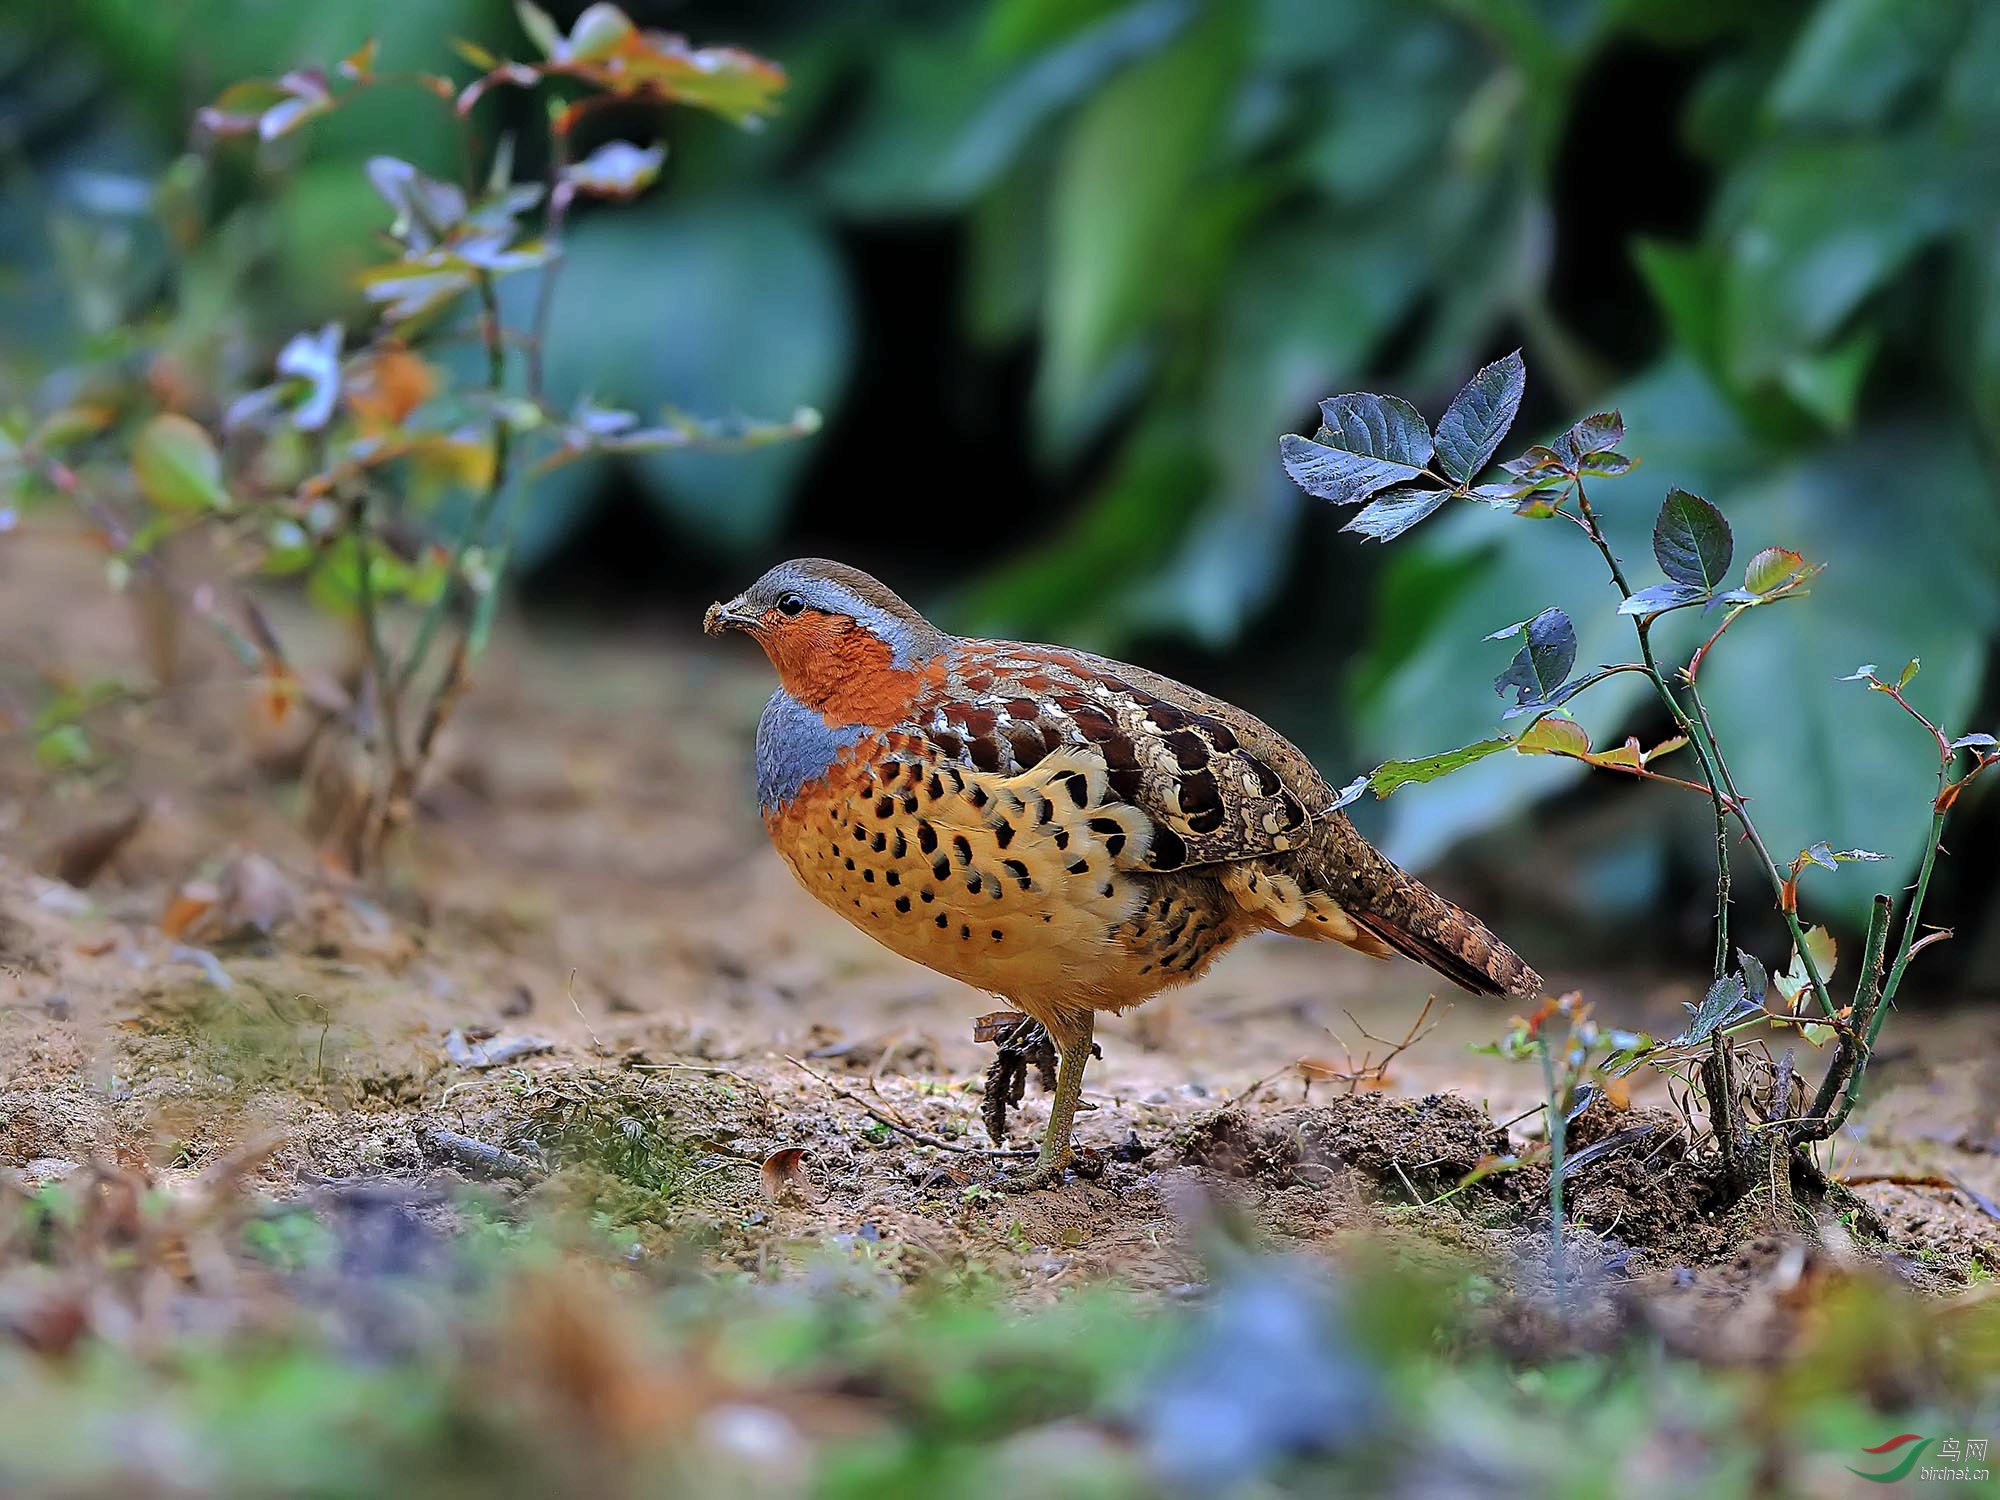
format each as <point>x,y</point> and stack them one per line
<point>1795,983</point>
<point>1662,597</point>
<point>600,31</point>
<point>1385,427</point>
<point>542,31</point>
<point>1336,475</point>
<point>1554,735</point>
<point>1591,436</point>
<point>1691,541</point>
<point>1686,282</point>
<point>64,748</point>
<point>1476,422</point>
<point>1542,665</point>
<point>1394,512</point>
<point>1856,59</point>
<point>1727,1001</point>
<point>177,467</point>
<point>1770,568</point>
<point>1119,206</point>
<point>1392,774</point>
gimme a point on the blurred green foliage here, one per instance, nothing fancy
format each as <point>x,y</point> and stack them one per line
<point>1199,217</point>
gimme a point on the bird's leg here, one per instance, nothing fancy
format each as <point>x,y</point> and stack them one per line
<point>1074,1048</point>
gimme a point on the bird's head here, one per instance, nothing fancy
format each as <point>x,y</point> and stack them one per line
<point>842,642</point>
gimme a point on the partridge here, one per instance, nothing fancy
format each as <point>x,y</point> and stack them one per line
<point>1068,832</point>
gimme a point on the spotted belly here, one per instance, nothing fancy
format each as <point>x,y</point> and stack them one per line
<point>1030,885</point>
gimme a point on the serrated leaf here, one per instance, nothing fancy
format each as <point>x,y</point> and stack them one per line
<point>1727,1001</point>
<point>1794,984</point>
<point>1976,742</point>
<point>1476,422</point>
<point>1607,465</point>
<point>1770,568</point>
<point>1661,597</point>
<point>1338,476</point>
<point>1539,462</point>
<point>1394,512</point>
<point>1554,735</point>
<point>1691,541</point>
<point>1542,665</point>
<point>1858,856</point>
<point>1627,756</point>
<point>176,465</point>
<point>1392,774</point>
<point>1756,982</point>
<point>1378,426</point>
<point>1598,434</point>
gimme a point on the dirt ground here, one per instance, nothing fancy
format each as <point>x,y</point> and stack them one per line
<point>585,976</point>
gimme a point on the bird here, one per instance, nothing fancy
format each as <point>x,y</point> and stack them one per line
<point>1071,833</point>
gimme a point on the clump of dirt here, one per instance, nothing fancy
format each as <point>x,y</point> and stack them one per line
<point>1411,1150</point>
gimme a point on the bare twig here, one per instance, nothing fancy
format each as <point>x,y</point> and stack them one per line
<point>919,1136</point>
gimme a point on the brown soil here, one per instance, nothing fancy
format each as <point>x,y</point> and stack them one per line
<point>588,889</point>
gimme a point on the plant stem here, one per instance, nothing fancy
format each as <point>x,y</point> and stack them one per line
<point>1642,627</point>
<point>1558,1130</point>
<point>476,525</point>
<point>1724,795</point>
<point>1856,1039</point>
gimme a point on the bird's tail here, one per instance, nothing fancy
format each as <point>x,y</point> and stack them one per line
<point>1410,917</point>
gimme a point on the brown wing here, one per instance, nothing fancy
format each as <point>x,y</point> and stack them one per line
<point>1217,784</point>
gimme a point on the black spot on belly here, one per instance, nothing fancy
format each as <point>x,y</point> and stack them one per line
<point>903,904</point>
<point>943,920</point>
<point>1078,786</point>
<point>1019,871</point>
<point>961,848</point>
<point>927,895</point>
<point>1004,835</point>
<point>869,876</point>
<point>972,882</point>
<point>926,837</point>
<point>885,807</point>
<point>894,877</point>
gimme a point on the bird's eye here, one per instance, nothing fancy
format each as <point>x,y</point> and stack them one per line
<point>792,604</point>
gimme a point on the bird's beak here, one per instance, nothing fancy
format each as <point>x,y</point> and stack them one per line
<point>731,616</point>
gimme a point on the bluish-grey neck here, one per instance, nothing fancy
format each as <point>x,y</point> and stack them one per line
<point>795,746</point>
